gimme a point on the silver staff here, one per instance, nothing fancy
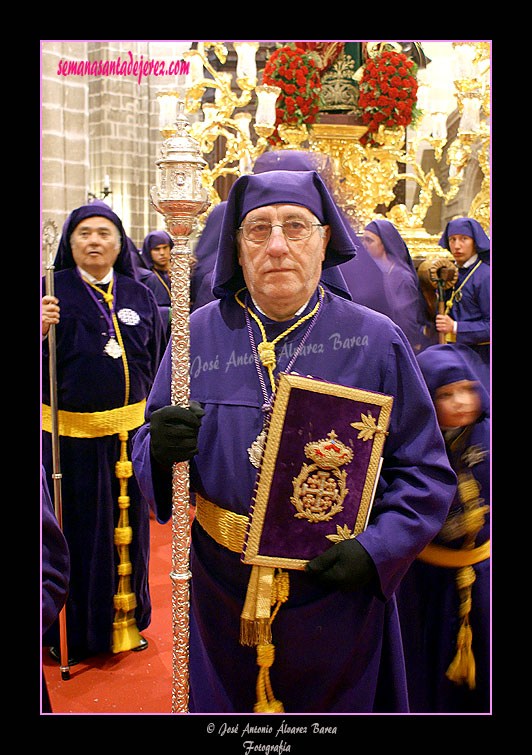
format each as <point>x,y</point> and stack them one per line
<point>180,198</point>
<point>49,236</point>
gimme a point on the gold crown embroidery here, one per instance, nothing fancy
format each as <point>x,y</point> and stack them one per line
<point>320,488</point>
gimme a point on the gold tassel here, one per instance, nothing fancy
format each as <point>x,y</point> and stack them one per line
<point>266,701</point>
<point>126,636</point>
<point>462,669</point>
<point>265,589</point>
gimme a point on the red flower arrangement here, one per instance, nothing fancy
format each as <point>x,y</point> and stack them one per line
<point>296,73</point>
<point>388,93</point>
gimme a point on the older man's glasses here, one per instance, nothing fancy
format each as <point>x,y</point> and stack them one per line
<point>294,230</point>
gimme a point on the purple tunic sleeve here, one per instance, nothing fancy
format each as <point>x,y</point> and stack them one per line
<point>55,562</point>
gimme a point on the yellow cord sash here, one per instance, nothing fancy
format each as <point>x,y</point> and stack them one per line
<point>95,424</point>
<point>450,303</point>
<point>266,349</point>
<point>439,555</point>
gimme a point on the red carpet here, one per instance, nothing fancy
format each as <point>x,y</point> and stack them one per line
<point>126,682</point>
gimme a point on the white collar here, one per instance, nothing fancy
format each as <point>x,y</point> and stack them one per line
<point>471,261</point>
<point>296,314</point>
<point>106,279</point>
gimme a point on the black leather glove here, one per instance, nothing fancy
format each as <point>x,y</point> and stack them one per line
<point>174,433</point>
<point>345,566</point>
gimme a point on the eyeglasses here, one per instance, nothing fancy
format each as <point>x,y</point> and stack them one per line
<point>294,230</point>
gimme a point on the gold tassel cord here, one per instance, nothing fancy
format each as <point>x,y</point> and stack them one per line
<point>266,701</point>
<point>462,669</point>
<point>265,589</point>
<point>266,349</point>
<point>125,632</point>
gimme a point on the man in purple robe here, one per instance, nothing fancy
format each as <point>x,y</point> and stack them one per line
<point>467,314</point>
<point>156,249</point>
<point>109,343</point>
<point>337,638</point>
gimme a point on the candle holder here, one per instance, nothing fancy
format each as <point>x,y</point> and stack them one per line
<point>219,117</point>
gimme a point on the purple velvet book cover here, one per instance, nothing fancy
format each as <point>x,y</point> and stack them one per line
<point>319,470</point>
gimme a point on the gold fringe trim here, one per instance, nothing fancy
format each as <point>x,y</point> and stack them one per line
<point>265,589</point>
<point>95,424</point>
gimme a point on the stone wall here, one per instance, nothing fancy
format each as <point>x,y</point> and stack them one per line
<point>95,126</point>
<point>64,132</point>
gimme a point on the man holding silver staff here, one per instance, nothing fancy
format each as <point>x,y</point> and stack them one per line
<point>109,343</point>
<point>336,634</point>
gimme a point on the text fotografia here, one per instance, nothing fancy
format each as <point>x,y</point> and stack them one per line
<point>120,67</point>
<point>275,731</point>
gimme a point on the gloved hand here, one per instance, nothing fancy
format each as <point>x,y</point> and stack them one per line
<point>345,566</point>
<point>174,433</point>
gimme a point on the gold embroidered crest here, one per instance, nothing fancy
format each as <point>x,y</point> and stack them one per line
<point>320,488</point>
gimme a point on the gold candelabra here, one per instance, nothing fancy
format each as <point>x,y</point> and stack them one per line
<point>219,117</point>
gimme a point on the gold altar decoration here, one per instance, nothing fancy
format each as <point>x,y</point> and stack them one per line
<point>363,177</point>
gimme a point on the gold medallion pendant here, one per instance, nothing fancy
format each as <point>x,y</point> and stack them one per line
<point>320,488</point>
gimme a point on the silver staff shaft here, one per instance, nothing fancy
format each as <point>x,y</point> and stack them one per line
<point>56,463</point>
<point>180,574</point>
<point>180,198</point>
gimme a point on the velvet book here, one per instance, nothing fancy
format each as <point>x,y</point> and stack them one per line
<point>318,472</point>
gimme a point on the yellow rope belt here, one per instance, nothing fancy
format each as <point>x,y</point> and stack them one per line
<point>439,555</point>
<point>95,424</point>
<point>226,527</point>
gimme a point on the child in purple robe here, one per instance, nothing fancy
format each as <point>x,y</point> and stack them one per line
<point>444,600</point>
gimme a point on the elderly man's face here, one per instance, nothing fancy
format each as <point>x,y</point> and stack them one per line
<point>281,275</point>
<point>95,245</point>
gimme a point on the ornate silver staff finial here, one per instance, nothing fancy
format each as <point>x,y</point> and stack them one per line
<point>49,240</point>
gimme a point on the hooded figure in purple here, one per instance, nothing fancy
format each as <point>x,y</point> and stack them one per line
<point>403,300</point>
<point>205,252</point>
<point>93,378</point>
<point>444,600</point>
<point>337,638</point>
<point>467,318</point>
<point>155,277</point>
